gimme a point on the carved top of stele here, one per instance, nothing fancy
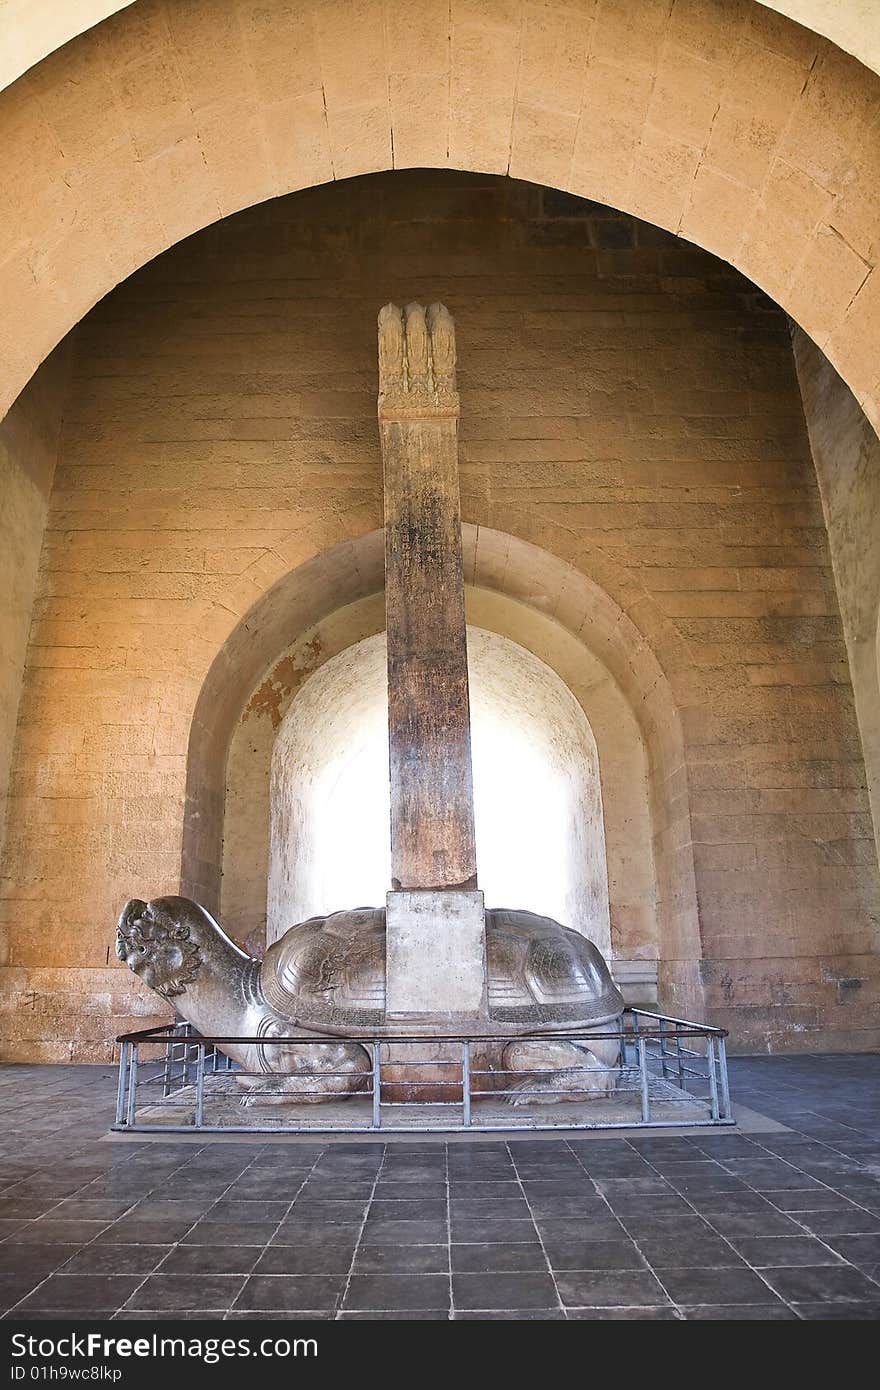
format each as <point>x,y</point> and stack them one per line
<point>416,363</point>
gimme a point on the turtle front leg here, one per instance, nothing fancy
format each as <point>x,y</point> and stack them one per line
<point>308,1075</point>
<point>561,1071</point>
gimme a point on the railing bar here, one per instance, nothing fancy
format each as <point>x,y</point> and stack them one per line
<point>509,1125</point>
<point>680,1022</point>
<point>414,1040</point>
<point>184,1049</point>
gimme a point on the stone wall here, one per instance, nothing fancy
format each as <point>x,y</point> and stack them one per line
<point>629,405</point>
<point>846,452</point>
<point>28,451</point>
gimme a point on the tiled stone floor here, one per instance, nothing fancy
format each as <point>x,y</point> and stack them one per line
<point>713,1225</point>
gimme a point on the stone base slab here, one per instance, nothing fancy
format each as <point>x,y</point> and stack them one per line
<point>436,957</point>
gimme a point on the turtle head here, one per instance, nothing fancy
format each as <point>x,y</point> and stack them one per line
<point>159,941</point>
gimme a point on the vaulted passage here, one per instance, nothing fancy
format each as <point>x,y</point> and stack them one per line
<point>641,515</point>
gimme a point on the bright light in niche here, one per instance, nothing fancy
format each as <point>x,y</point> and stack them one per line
<point>537,802</point>
<point>523,814</point>
<point>351,805</point>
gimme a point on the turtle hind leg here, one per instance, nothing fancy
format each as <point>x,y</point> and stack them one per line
<point>555,1072</point>
<point>309,1074</point>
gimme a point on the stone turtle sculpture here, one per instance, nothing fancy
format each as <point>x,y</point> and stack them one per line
<point>327,976</point>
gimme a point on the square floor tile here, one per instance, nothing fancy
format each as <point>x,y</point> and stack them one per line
<point>95,1293</point>
<point>173,1292</point>
<point>115,1259</point>
<point>593,1254</point>
<point>715,1286</point>
<point>534,1290</point>
<point>291,1292</point>
<point>740,1312</point>
<point>14,1287</point>
<point>859,1250</point>
<point>831,1284</point>
<point>385,1232</point>
<point>23,1259</point>
<point>554,1228</point>
<point>735,1224</point>
<point>47,1231</point>
<point>324,1257</point>
<point>608,1288</point>
<point>691,1252</point>
<point>840,1222</point>
<point>210,1259</point>
<point>218,1233</point>
<point>635,1313</point>
<point>520,1257</point>
<point>408,1210</point>
<point>766,1251</point>
<point>391,1292</point>
<point>839,1312</point>
<point>402,1259</point>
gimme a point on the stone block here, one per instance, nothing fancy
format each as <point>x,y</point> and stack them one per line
<point>436,956</point>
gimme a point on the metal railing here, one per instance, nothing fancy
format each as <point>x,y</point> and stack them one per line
<point>667,1072</point>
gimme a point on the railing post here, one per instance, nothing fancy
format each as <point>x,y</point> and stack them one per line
<point>166,1073</point>
<point>713,1079</point>
<point>198,1115</point>
<point>643,1076</point>
<point>661,1028</point>
<point>377,1088</point>
<point>132,1083</point>
<point>466,1084</point>
<point>120,1084</point>
<point>635,1018</point>
<point>726,1112</point>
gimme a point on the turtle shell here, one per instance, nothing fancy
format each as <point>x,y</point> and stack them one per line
<point>544,976</point>
<point>328,974</point>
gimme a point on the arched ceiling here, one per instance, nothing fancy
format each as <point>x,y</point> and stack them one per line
<point>714,119</point>
<point>31,29</point>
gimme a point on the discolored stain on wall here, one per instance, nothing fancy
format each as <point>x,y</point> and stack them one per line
<point>283,682</point>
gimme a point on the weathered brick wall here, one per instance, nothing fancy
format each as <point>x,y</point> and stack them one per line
<point>28,450</point>
<point>628,404</point>
<point>846,453</point>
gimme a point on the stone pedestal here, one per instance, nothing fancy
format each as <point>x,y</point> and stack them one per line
<point>436,957</point>
<point>435,953</point>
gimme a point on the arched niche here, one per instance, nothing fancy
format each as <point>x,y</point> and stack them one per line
<point>540,829</point>
<point>515,589</point>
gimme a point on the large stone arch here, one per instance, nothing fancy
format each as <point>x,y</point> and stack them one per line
<point>30,29</point>
<point>261,665</point>
<point>723,123</point>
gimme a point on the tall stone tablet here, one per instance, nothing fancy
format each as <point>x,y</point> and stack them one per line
<point>436,925</point>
